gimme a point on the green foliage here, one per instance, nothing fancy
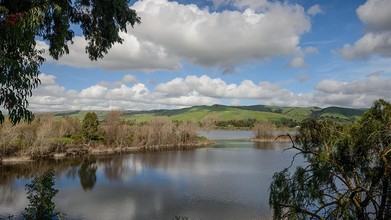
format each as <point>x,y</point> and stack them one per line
<point>40,193</point>
<point>22,21</point>
<point>90,126</point>
<point>346,173</point>
<point>346,114</point>
<point>282,116</point>
<point>249,123</point>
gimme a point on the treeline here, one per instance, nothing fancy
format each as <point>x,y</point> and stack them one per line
<point>48,134</point>
<point>248,123</point>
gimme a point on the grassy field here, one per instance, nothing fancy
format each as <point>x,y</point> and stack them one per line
<point>225,113</point>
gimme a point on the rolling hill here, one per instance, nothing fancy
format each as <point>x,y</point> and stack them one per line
<point>226,113</point>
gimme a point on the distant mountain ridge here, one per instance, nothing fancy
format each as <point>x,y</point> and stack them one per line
<point>225,113</point>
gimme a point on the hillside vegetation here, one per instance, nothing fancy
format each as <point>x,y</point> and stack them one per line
<point>275,114</point>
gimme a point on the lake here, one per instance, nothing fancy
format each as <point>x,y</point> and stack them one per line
<point>226,180</point>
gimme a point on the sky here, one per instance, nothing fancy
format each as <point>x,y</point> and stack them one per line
<point>230,52</point>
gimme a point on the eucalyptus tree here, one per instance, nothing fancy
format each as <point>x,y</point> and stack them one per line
<point>22,22</point>
<point>346,172</point>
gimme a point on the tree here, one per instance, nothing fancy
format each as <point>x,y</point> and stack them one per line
<point>40,193</point>
<point>24,21</point>
<point>346,173</point>
<point>90,126</point>
<point>113,126</point>
<point>264,129</point>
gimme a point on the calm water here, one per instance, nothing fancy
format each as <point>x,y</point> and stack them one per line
<point>228,180</point>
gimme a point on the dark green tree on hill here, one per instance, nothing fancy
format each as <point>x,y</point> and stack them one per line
<point>24,21</point>
<point>346,173</point>
<point>90,126</point>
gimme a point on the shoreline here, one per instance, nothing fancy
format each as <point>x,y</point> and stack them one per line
<point>101,150</point>
<point>83,150</point>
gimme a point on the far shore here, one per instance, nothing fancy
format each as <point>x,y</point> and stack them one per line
<point>101,150</point>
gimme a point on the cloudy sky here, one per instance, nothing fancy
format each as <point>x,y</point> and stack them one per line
<point>232,52</point>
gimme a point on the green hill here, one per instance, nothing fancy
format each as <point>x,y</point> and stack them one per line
<point>339,113</point>
<point>227,113</point>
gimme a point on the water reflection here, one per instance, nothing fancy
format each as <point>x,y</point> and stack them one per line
<point>271,145</point>
<point>120,168</point>
<point>87,174</point>
<point>227,134</point>
<point>228,180</point>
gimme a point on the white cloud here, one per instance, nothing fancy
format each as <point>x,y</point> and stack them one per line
<point>132,54</point>
<point>129,79</point>
<point>330,86</point>
<point>253,4</point>
<point>376,16</point>
<point>218,88</point>
<point>47,79</point>
<point>203,90</point>
<point>171,32</point>
<point>360,93</point>
<point>221,38</point>
<point>297,62</point>
<point>52,97</point>
<point>370,44</point>
<point>94,92</point>
<point>314,10</point>
<point>218,3</point>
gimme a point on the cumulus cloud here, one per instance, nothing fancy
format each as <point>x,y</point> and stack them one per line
<point>179,92</point>
<point>360,93</point>
<point>376,16</point>
<point>172,32</point>
<point>204,90</point>
<point>134,53</point>
<point>314,10</point>
<point>222,38</point>
<point>47,79</point>
<point>52,97</point>
<point>371,43</point>
<point>218,88</point>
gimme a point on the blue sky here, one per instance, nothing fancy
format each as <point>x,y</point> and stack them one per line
<point>233,52</point>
